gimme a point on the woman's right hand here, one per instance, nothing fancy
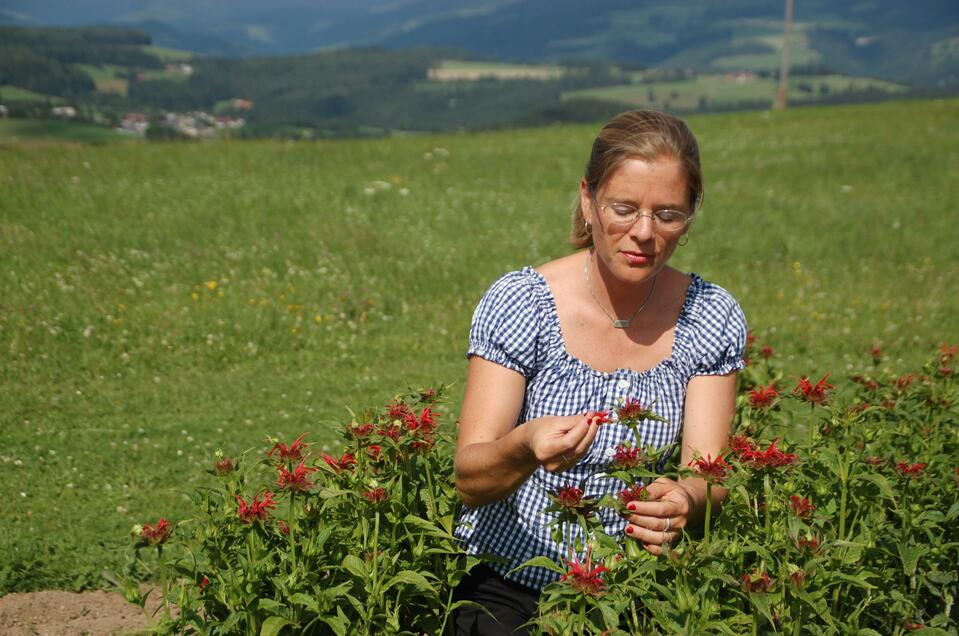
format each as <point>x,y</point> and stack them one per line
<point>559,442</point>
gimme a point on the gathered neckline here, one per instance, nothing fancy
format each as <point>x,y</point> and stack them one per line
<point>678,335</point>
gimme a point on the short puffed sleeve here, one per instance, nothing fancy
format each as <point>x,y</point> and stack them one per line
<point>506,324</point>
<point>720,340</point>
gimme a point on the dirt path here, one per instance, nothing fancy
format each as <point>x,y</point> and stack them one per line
<point>96,613</point>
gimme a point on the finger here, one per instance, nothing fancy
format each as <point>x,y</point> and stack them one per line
<point>654,508</point>
<point>657,524</point>
<point>661,488</point>
<point>649,537</point>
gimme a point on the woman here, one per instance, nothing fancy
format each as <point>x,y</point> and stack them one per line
<point>550,347</point>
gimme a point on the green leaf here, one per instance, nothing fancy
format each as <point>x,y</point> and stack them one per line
<point>426,526</point>
<point>910,557</point>
<point>409,577</point>
<point>865,631</point>
<point>541,562</point>
<point>270,605</point>
<point>929,631</point>
<point>337,624</point>
<point>305,600</point>
<point>880,481</point>
<point>355,566</point>
<point>273,625</point>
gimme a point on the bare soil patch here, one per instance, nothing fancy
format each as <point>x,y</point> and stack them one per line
<point>94,613</point>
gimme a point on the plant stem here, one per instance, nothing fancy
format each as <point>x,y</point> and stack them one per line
<point>709,511</point>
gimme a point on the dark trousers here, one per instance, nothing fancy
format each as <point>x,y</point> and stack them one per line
<point>510,603</point>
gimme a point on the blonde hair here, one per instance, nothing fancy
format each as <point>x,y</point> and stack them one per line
<point>638,134</point>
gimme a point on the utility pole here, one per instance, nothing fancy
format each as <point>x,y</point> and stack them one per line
<point>779,103</point>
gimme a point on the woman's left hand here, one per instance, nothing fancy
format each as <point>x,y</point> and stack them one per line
<point>659,520</point>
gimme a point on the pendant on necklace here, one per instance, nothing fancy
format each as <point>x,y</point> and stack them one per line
<point>621,324</point>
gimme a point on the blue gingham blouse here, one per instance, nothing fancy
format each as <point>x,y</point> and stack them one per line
<point>516,326</point>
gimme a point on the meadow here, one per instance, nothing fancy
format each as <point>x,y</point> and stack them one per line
<point>159,302</point>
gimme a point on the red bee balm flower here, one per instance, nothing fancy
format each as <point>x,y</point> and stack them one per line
<point>757,582</point>
<point>713,470</point>
<point>808,545</point>
<point>813,393</point>
<point>633,493</point>
<point>632,411</point>
<point>360,430</point>
<point>223,466</point>
<point>600,417</point>
<point>627,457</point>
<point>947,352</point>
<point>910,470</point>
<point>294,452</point>
<point>772,457</point>
<point>347,462</point>
<point>156,534</point>
<point>569,496</point>
<point>375,495</point>
<point>801,506</point>
<point>767,351</point>
<point>762,397</point>
<point>374,450</point>
<point>584,578</point>
<point>256,509</point>
<point>297,480</point>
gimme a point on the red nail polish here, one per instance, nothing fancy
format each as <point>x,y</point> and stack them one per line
<point>629,529</point>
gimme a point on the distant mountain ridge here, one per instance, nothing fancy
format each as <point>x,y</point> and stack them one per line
<point>917,42</point>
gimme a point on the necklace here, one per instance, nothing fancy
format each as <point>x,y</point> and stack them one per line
<point>619,323</point>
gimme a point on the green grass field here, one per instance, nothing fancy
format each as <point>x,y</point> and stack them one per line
<point>15,131</point>
<point>720,91</point>
<point>162,301</point>
<point>10,93</point>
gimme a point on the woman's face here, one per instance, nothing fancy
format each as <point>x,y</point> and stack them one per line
<point>635,254</point>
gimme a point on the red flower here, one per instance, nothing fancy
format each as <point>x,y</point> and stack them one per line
<point>423,445</point>
<point>757,581</point>
<point>223,466</point>
<point>156,534</point>
<point>398,410</point>
<point>203,583</point>
<point>600,417</point>
<point>256,509</point>
<point>714,470</point>
<point>297,480</point>
<point>762,397</point>
<point>947,352</point>
<point>944,372</point>
<point>813,393</point>
<point>393,432</point>
<point>347,462</point>
<point>914,626</point>
<point>741,444</point>
<point>809,545</point>
<point>632,412</point>
<point>570,499</point>
<point>875,461</point>
<point>569,496</point>
<point>635,492</point>
<point>285,529</point>
<point>626,457</point>
<point>373,450</point>
<point>360,431</point>
<point>427,422</point>
<point>801,506</point>
<point>868,383</point>
<point>903,381</point>
<point>767,351</point>
<point>910,470</point>
<point>772,457</point>
<point>876,354</point>
<point>294,452</point>
<point>584,578</point>
<point>797,578</point>
<point>750,339</point>
<point>375,495</point>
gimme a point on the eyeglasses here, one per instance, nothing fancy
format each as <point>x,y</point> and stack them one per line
<point>622,216</point>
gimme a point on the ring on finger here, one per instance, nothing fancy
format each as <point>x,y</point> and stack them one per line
<point>669,524</point>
